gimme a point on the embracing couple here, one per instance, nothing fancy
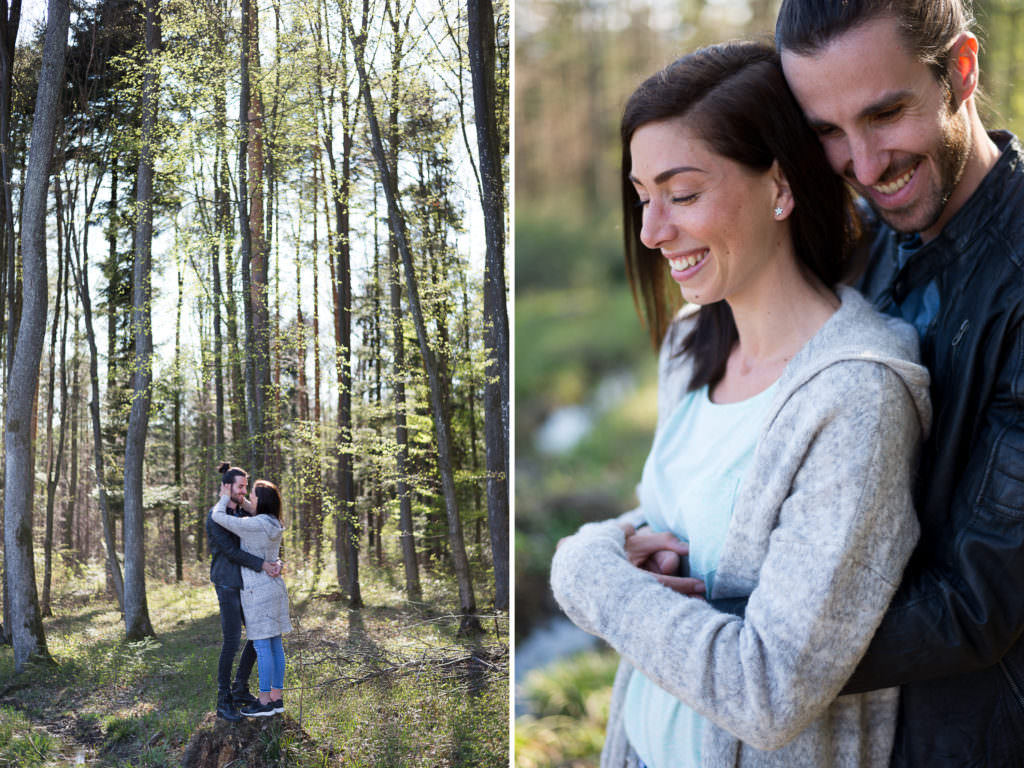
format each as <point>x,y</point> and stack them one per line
<point>244,534</point>
<point>826,567</point>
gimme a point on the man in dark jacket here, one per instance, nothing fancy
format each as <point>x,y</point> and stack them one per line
<point>890,86</point>
<point>227,557</point>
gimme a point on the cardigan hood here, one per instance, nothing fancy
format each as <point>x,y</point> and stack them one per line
<point>858,332</point>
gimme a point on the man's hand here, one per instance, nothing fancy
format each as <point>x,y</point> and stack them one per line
<point>272,569</point>
<point>684,585</point>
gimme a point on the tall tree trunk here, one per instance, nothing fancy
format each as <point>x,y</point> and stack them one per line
<point>10,20</point>
<point>342,186</point>
<point>496,332</point>
<point>316,508</point>
<point>471,386</point>
<point>81,272</point>
<point>470,623</point>
<point>404,492</point>
<point>112,207</point>
<point>56,460</point>
<point>179,386</point>
<point>68,521</point>
<point>254,251</point>
<point>136,611</point>
<point>245,233</point>
<point>222,217</point>
<point>405,524</point>
<point>26,629</point>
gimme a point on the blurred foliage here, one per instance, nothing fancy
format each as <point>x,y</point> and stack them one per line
<point>1000,25</point>
<point>576,330</point>
<point>558,253</point>
<point>568,339</point>
<point>556,494</point>
<point>571,699</point>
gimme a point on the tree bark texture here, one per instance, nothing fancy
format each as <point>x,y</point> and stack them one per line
<point>245,235</point>
<point>136,611</point>
<point>53,470</point>
<point>26,629</point>
<point>496,331</point>
<point>257,317</point>
<point>10,20</point>
<point>137,623</point>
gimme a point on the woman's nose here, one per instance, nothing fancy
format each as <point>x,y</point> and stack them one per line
<point>657,226</point>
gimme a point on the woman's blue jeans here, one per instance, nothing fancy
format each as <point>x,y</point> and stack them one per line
<point>270,663</point>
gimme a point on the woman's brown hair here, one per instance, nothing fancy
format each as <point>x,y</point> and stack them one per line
<point>268,499</point>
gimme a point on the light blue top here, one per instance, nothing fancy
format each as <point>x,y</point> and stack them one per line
<point>921,305</point>
<point>689,486</point>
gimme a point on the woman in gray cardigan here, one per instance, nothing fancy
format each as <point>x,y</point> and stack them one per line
<point>789,419</point>
<point>264,597</point>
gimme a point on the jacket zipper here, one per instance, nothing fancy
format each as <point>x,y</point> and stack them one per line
<point>1013,684</point>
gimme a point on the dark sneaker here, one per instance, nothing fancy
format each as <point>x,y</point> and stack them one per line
<point>258,710</point>
<point>278,706</point>
<point>242,697</point>
<point>226,710</point>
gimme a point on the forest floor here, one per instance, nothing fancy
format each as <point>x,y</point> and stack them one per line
<point>389,685</point>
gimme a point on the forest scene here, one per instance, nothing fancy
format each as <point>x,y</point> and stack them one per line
<point>269,233</point>
<point>585,384</point>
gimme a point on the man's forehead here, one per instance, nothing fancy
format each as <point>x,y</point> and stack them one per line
<point>858,72</point>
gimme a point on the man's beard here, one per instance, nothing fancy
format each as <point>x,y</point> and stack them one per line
<point>951,161</point>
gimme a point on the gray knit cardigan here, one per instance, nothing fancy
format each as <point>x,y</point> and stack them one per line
<point>822,527</point>
<point>264,599</point>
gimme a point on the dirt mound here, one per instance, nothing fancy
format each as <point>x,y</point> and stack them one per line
<point>257,742</point>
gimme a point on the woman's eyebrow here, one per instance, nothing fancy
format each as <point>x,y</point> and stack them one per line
<point>668,174</point>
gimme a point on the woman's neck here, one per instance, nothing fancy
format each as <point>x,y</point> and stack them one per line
<point>774,320</point>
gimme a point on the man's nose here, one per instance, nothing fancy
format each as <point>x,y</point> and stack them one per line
<point>867,163</point>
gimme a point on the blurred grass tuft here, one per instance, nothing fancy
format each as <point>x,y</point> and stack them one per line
<point>571,698</point>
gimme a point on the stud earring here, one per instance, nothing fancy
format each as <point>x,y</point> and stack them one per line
<point>778,212</point>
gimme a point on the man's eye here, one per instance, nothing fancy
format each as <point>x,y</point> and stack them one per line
<point>889,114</point>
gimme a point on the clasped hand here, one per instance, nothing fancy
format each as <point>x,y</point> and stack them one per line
<point>661,554</point>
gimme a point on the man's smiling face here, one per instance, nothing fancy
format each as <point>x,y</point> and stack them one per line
<point>886,122</point>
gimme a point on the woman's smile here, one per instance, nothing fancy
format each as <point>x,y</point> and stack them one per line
<point>686,265</point>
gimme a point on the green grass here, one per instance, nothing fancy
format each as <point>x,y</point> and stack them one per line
<point>391,684</point>
<point>571,699</point>
<point>23,745</point>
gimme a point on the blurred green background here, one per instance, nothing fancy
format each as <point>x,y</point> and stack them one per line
<point>585,383</point>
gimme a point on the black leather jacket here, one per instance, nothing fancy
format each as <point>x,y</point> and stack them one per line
<point>953,635</point>
<point>227,556</point>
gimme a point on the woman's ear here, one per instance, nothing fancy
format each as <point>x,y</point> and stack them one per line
<point>782,205</point>
<point>963,67</point>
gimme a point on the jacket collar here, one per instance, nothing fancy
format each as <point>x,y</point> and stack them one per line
<point>960,235</point>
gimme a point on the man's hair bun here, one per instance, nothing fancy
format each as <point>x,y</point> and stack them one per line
<point>224,467</point>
